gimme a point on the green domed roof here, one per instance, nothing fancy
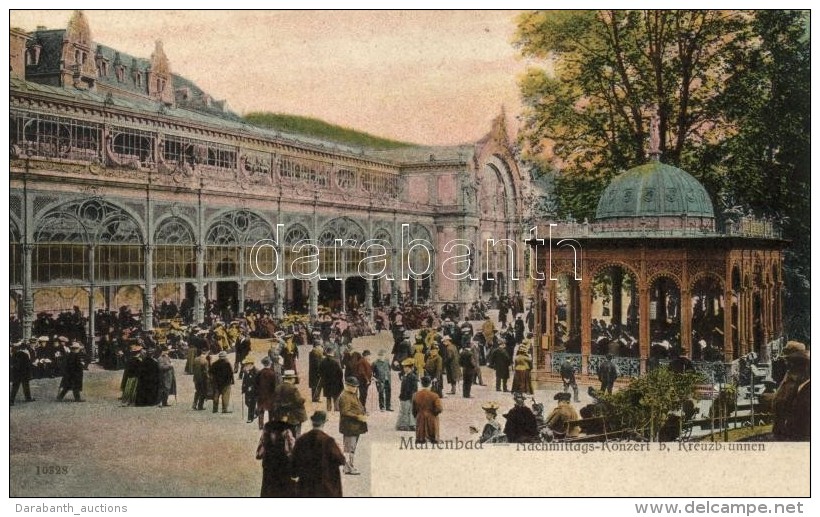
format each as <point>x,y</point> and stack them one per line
<point>654,189</point>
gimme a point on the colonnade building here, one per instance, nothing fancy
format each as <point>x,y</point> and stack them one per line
<point>130,185</point>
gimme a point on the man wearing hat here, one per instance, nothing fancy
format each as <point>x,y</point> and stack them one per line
<point>316,460</point>
<point>222,377</point>
<point>451,368</point>
<point>249,375</point>
<point>288,403</point>
<point>265,387</point>
<point>72,374</point>
<point>792,401</point>
<point>21,371</point>
<point>382,373</point>
<point>315,358</point>
<point>608,372</point>
<point>167,378</point>
<point>243,348</point>
<point>499,360</point>
<point>363,371</point>
<point>409,386</point>
<point>568,378</point>
<point>352,421</point>
<point>199,369</point>
<point>426,409</point>
<point>561,416</point>
<point>469,364</point>
<point>521,426</point>
<point>331,379</point>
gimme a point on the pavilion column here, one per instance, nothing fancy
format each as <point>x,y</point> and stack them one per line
<point>240,287</point>
<point>548,323</point>
<point>28,292</point>
<point>586,328</point>
<point>368,298</point>
<point>394,283</point>
<point>728,333</point>
<point>686,321</point>
<point>89,346</point>
<point>313,297</point>
<point>748,321</point>
<point>279,300</point>
<point>741,321</point>
<point>538,336</point>
<point>344,295</point>
<point>199,285</point>
<point>148,293</point>
<point>643,319</point>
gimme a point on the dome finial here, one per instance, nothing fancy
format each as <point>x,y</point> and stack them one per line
<point>655,137</point>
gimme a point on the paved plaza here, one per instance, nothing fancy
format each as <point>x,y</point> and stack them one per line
<point>109,450</point>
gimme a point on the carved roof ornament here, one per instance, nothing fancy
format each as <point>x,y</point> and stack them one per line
<point>78,30</point>
<point>159,61</point>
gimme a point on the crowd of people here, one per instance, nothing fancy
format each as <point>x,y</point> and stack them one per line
<point>431,351</point>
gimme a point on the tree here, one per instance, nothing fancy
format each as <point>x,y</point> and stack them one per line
<point>614,70</point>
<point>732,93</point>
<point>646,403</point>
<point>768,159</point>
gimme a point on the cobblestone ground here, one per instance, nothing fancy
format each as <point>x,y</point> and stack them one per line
<point>116,451</point>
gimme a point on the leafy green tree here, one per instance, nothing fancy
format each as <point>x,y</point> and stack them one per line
<point>732,93</point>
<point>612,71</point>
<point>767,161</point>
<point>645,404</point>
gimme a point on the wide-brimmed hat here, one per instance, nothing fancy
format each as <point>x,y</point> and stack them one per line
<point>519,396</point>
<point>318,417</point>
<point>75,346</point>
<point>43,339</point>
<point>247,360</point>
<point>289,374</point>
<point>490,407</point>
<point>795,350</point>
<point>408,362</point>
<point>352,381</point>
<point>223,354</point>
<point>279,333</point>
<point>562,396</point>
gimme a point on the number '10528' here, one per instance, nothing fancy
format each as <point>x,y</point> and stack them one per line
<point>52,469</point>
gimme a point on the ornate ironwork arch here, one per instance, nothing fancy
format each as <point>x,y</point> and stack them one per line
<point>341,228</point>
<point>383,234</point>
<point>295,233</point>
<point>597,268</point>
<point>664,274</point>
<point>88,221</point>
<point>238,227</point>
<point>174,230</point>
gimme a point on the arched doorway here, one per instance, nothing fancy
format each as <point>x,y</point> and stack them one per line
<point>664,317</point>
<point>736,286</point>
<point>614,312</point>
<point>707,319</point>
<point>567,314</point>
<point>330,294</point>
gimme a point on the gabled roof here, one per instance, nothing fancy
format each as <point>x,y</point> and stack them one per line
<point>52,53</point>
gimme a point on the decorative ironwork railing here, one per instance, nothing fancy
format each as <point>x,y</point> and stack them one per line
<point>627,366</point>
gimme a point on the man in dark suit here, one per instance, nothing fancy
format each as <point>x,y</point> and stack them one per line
<point>21,372</point>
<point>469,364</point>
<point>607,373</point>
<point>521,426</point>
<point>316,461</point>
<point>222,376</point>
<point>72,374</point>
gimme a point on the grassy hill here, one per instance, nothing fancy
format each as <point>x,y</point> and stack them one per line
<point>320,129</point>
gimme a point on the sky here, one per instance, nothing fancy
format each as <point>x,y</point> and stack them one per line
<point>428,77</point>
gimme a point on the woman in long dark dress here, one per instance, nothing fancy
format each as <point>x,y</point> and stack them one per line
<point>275,450</point>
